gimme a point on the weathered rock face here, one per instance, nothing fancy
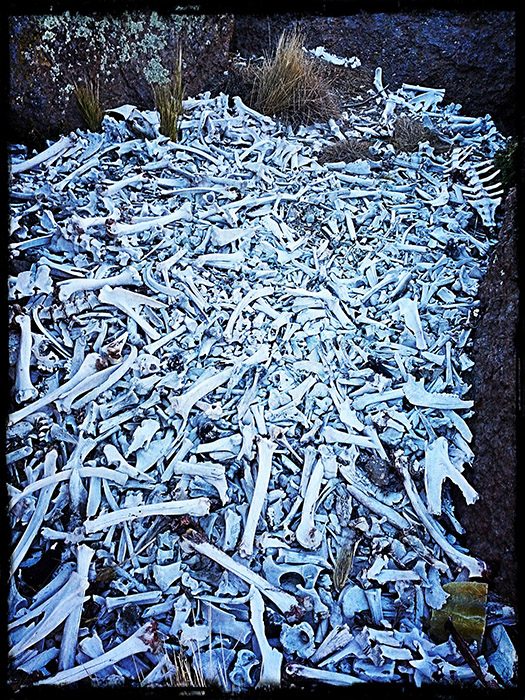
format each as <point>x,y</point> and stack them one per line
<point>470,54</point>
<point>490,522</point>
<point>124,52</point>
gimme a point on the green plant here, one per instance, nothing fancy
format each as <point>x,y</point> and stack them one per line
<point>168,101</point>
<point>88,99</point>
<point>506,162</point>
<point>293,86</point>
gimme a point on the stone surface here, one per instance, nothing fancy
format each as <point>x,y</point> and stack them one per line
<point>470,54</point>
<point>490,522</point>
<point>124,52</point>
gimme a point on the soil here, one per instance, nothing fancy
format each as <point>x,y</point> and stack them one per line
<point>490,522</point>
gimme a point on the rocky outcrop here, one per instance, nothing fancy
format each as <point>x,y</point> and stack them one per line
<point>470,54</point>
<point>490,522</point>
<point>124,52</point>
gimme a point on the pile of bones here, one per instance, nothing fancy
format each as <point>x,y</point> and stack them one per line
<point>238,396</point>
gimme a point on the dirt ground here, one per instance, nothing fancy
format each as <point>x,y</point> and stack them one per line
<point>490,522</point>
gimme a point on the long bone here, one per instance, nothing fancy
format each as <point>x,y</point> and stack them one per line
<point>265,449</point>
<point>145,639</point>
<point>318,674</point>
<point>85,370</point>
<point>127,302</point>
<point>55,149</point>
<point>438,467</point>
<point>37,518</point>
<point>286,602</point>
<point>409,310</point>
<point>69,642</point>
<point>308,535</point>
<point>24,389</point>
<point>192,506</point>
<point>116,228</point>
<point>183,404</point>
<point>130,276</point>
<point>474,566</point>
<point>271,658</point>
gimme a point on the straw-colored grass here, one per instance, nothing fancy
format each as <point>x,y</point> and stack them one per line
<point>409,133</point>
<point>348,151</point>
<point>168,101</point>
<point>88,99</point>
<point>292,86</point>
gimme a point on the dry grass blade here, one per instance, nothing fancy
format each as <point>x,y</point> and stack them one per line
<point>409,133</point>
<point>348,151</point>
<point>168,101</point>
<point>293,86</point>
<point>88,99</point>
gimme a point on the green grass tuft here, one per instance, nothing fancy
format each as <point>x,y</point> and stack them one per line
<point>88,99</point>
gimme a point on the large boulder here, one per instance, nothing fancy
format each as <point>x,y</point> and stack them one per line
<point>470,54</point>
<point>124,52</point>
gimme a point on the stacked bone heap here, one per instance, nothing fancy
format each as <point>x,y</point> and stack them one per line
<point>240,384</point>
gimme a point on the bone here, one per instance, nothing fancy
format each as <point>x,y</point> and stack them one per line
<point>182,214</point>
<point>25,391</point>
<point>271,659</point>
<point>52,151</point>
<point>317,674</point>
<point>265,450</point>
<point>130,276</point>
<point>438,467</point>
<point>308,534</point>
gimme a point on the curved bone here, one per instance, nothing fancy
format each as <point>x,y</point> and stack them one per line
<point>86,369</point>
<point>307,533</point>
<point>183,404</point>
<point>117,229</point>
<point>271,658</point>
<point>265,449</point>
<point>144,639</point>
<point>474,566</point>
<point>25,391</point>
<point>130,276</point>
<point>438,467</point>
<point>251,296</point>
<point>55,149</point>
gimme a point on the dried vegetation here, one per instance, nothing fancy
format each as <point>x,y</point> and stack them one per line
<point>88,100</point>
<point>168,101</point>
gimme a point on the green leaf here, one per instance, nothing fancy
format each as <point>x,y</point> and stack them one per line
<point>466,606</point>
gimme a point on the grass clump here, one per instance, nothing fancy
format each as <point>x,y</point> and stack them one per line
<point>88,100</point>
<point>168,101</point>
<point>292,86</point>
<point>348,151</point>
<point>409,133</point>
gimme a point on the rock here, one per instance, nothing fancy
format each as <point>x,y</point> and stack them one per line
<point>125,52</point>
<point>470,54</point>
<point>490,521</point>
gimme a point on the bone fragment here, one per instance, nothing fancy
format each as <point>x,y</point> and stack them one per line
<point>317,674</point>
<point>419,396</point>
<point>271,658</point>
<point>438,467</point>
<point>127,302</point>
<point>308,534</point>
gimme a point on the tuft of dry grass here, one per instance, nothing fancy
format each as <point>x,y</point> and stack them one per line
<point>292,86</point>
<point>168,101</point>
<point>347,151</point>
<point>409,133</point>
<point>88,99</point>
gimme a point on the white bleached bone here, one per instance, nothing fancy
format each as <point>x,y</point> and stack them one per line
<point>438,467</point>
<point>283,600</point>
<point>129,276</point>
<point>24,389</point>
<point>271,658</point>
<point>143,435</point>
<point>251,296</point>
<point>416,393</point>
<point>317,674</point>
<point>85,370</point>
<point>183,404</point>
<point>474,566</point>
<point>55,149</point>
<point>408,308</point>
<point>112,378</point>
<point>37,518</point>
<point>116,228</point>
<point>337,638</point>
<point>145,639</point>
<point>192,506</point>
<point>308,534</point>
<point>128,302</point>
<point>265,450</point>
<point>222,261</point>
